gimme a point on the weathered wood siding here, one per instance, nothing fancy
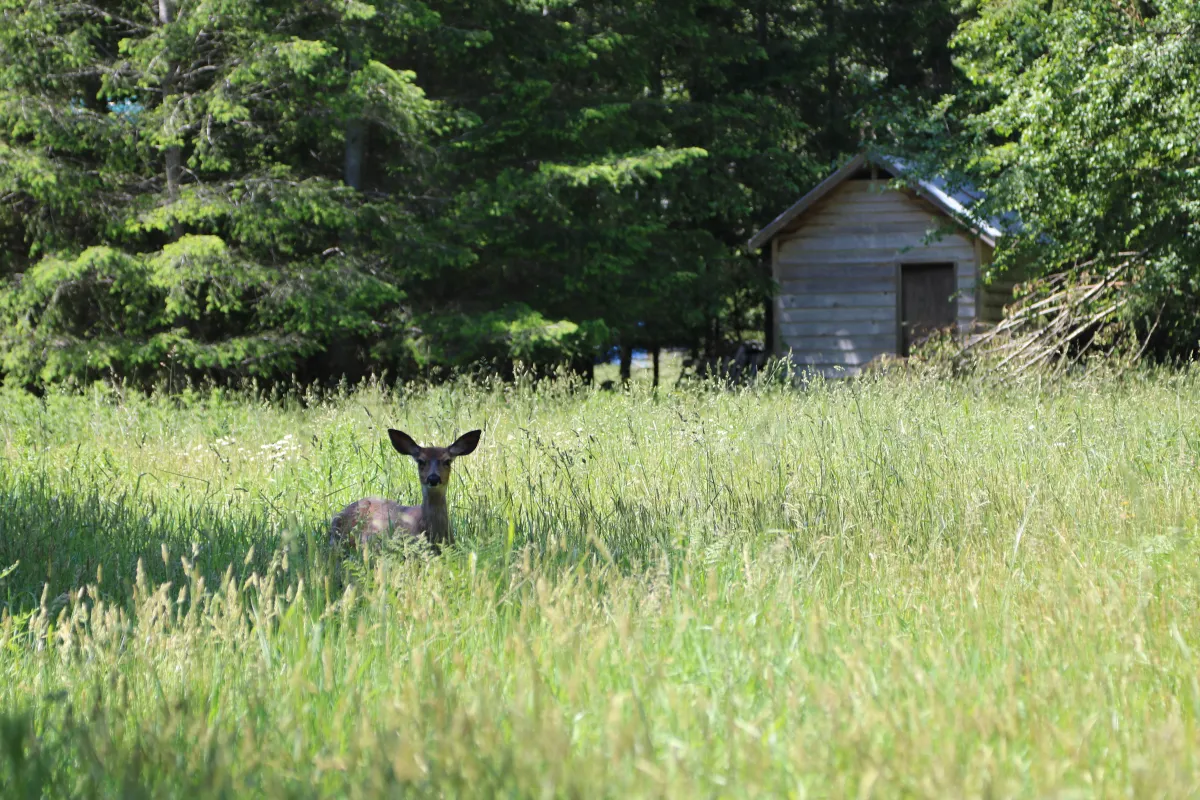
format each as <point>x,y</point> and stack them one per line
<point>994,296</point>
<point>837,268</point>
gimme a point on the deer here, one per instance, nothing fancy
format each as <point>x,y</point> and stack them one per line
<point>370,517</point>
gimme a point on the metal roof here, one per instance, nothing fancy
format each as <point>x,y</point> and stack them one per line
<point>955,199</point>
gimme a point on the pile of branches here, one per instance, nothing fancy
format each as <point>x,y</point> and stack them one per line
<point>1065,321</point>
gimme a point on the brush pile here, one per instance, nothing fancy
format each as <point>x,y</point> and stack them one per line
<point>1065,322</point>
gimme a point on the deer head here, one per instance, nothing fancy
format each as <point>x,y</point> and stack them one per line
<point>433,463</point>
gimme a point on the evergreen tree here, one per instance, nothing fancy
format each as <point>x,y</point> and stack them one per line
<point>231,189</point>
<point>174,185</point>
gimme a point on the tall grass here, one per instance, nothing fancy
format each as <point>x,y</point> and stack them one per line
<point>900,587</point>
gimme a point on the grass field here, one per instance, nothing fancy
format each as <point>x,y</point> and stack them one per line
<point>892,588</point>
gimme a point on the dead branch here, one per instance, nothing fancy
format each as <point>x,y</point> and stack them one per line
<point>1057,321</point>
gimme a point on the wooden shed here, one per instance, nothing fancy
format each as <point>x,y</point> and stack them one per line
<point>865,269</point>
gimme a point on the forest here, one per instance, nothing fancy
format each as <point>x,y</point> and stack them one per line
<point>222,191</point>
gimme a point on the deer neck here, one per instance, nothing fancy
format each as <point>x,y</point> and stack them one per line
<point>436,515</point>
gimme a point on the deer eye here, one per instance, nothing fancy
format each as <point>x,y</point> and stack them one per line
<point>421,462</point>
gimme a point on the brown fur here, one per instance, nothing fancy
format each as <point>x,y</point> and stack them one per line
<point>365,519</point>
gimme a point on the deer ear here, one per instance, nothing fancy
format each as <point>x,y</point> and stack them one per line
<point>465,444</point>
<point>403,443</point>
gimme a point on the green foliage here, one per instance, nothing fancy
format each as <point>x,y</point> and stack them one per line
<point>258,258</point>
<point>1084,121</point>
<point>356,172</point>
<point>920,587</point>
<point>738,105</point>
<point>512,334</point>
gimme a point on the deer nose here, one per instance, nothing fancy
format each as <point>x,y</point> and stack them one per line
<point>434,480</point>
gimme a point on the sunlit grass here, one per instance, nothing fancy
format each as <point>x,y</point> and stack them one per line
<point>893,588</point>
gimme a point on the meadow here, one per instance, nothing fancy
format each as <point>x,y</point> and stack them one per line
<point>890,587</point>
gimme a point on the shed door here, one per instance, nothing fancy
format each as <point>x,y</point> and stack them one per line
<point>926,301</point>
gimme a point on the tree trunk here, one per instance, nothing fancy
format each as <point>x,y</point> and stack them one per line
<point>769,312</point>
<point>356,146</point>
<point>172,155</point>
<point>356,142</point>
<point>762,30</point>
<point>833,128</point>
<point>584,367</point>
<point>356,129</point>
<point>655,353</point>
<point>626,363</point>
